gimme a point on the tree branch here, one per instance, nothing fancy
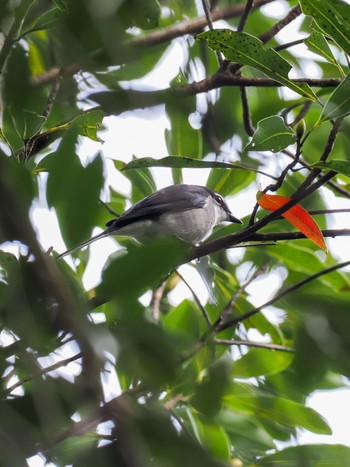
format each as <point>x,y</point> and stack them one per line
<point>42,372</point>
<point>276,28</point>
<point>117,101</point>
<point>234,239</point>
<point>276,298</point>
<point>261,345</point>
<point>192,26</point>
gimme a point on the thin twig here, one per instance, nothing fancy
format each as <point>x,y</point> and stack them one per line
<point>279,236</point>
<point>326,152</point>
<point>210,24</point>
<point>208,129</point>
<point>331,183</point>
<point>53,94</point>
<point>277,185</point>
<point>247,121</point>
<point>280,295</point>
<point>245,14</point>
<point>29,145</point>
<point>289,44</point>
<point>109,209</point>
<point>228,308</point>
<point>43,371</point>
<point>233,322</point>
<point>207,13</point>
<point>246,343</point>
<point>156,299</point>
<point>272,32</point>
<point>276,28</point>
<point>196,298</point>
<point>329,211</point>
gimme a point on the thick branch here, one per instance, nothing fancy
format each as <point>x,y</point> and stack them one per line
<point>116,102</point>
<point>193,25</point>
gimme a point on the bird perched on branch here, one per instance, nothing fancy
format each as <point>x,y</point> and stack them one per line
<point>188,212</point>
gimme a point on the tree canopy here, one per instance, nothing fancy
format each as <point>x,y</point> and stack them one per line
<point>120,374</point>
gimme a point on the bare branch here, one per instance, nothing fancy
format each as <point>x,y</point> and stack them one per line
<point>248,124</point>
<point>326,152</point>
<point>280,348</point>
<point>157,296</point>
<point>228,308</point>
<point>276,298</point>
<point>195,296</point>
<point>245,14</point>
<point>42,372</point>
<point>276,28</point>
<point>278,236</point>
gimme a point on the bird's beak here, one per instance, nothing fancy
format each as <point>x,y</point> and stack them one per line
<point>232,218</point>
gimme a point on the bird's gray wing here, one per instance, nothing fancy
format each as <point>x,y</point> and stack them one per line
<point>173,198</point>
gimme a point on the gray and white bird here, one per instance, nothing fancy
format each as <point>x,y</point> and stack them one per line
<point>188,212</point>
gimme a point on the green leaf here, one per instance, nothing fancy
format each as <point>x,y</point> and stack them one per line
<point>145,14</point>
<point>212,436</point>
<point>76,447</point>
<point>139,67</point>
<point>209,393</point>
<point>338,104</point>
<point>142,180</point>
<point>183,322</point>
<point>339,166</point>
<point>312,455</point>
<point>279,410</point>
<point>332,17</point>
<point>46,20</point>
<point>272,134</point>
<point>87,124</point>
<point>229,182</point>
<point>145,350</point>
<point>35,60</point>
<point>182,139</point>
<point>317,43</point>
<point>179,162</point>
<point>132,272</point>
<point>71,186</point>
<point>248,50</point>
<point>245,432</point>
<point>304,260</point>
<point>261,362</point>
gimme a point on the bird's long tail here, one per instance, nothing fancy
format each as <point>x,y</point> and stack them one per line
<point>103,234</point>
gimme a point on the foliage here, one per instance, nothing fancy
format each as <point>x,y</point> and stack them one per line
<point>210,385</point>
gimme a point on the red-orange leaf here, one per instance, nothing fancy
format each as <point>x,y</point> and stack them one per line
<point>296,215</point>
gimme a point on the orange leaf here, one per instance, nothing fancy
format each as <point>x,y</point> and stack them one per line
<point>296,215</point>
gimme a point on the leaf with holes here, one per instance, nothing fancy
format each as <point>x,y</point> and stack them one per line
<point>332,17</point>
<point>248,50</point>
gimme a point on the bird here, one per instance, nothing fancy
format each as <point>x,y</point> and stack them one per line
<point>188,212</point>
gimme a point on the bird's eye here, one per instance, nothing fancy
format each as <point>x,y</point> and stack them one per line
<point>218,199</point>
